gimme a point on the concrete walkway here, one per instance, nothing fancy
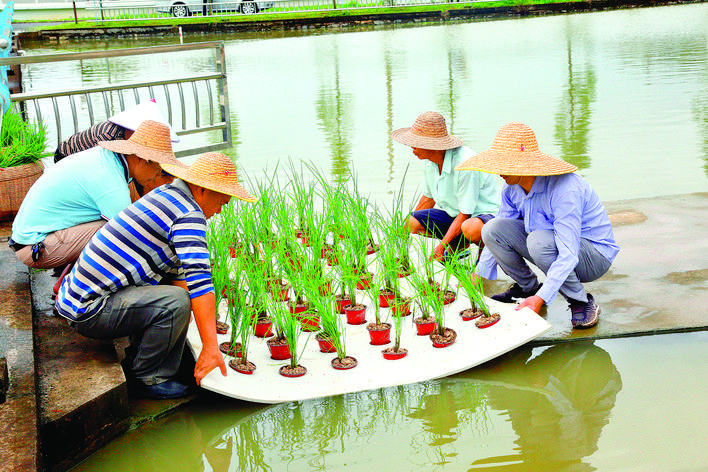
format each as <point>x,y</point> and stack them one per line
<point>659,283</point>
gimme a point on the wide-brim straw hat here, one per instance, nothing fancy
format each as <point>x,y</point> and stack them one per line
<point>515,152</point>
<point>429,131</point>
<point>151,141</point>
<point>213,171</point>
<point>131,118</point>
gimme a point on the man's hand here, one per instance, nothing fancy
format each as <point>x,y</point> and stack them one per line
<point>534,302</point>
<point>438,253</point>
<point>208,360</point>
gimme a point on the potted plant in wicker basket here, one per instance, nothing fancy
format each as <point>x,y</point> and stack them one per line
<point>22,146</point>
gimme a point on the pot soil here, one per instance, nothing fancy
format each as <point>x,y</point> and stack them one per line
<point>449,297</point>
<point>356,314</point>
<point>365,281</point>
<point>325,251</point>
<point>380,334</point>
<point>221,327</point>
<point>264,328</point>
<point>392,355</point>
<point>447,338</point>
<point>326,344</point>
<point>287,371</point>
<point>341,303</point>
<point>385,297</point>
<point>371,248</point>
<point>231,350</point>
<point>470,314</point>
<point>343,364</point>
<point>279,349</point>
<point>243,368</point>
<point>485,321</point>
<point>424,326</point>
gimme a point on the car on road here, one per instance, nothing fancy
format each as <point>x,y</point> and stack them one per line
<point>184,8</point>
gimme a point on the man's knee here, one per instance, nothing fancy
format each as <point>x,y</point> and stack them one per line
<point>472,229</point>
<point>414,225</point>
<point>542,247</point>
<point>490,229</point>
<point>178,303</point>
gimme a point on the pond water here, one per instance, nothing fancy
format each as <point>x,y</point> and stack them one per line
<point>622,94</point>
<point>623,404</point>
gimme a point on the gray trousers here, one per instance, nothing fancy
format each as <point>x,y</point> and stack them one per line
<point>155,318</point>
<point>511,246</point>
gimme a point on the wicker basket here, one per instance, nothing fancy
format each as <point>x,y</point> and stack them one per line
<point>14,184</point>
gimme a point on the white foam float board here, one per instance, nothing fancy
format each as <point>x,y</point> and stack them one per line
<point>472,347</point>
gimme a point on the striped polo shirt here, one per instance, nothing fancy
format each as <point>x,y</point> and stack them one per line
<point>86,139</point>
<point>163,232</point>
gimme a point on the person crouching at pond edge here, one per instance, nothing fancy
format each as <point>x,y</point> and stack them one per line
<point>465,201</point>
<point>549,216</point>
<point>148,269</point>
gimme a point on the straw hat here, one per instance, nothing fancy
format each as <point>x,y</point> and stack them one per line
<point>428,132</point>
<point>133,116</point>
<point>515,152</point>
<point>213,171</point>
<point>151,141</point>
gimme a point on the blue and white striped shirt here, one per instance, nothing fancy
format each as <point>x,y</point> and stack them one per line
<point>163,232</point>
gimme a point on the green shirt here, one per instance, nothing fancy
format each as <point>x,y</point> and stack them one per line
<point>470,192</point>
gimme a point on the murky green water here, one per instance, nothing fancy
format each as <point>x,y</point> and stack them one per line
<point>623,404</point>
<point>623,95</point>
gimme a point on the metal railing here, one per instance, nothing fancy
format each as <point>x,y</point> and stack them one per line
<point>113,10</point>
<point>195,104</point>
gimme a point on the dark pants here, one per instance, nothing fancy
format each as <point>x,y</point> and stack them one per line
<point>436,223</point>
<point>155,318</point>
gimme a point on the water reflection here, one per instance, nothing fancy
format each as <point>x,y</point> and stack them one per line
<point>557,401</point>
<point>334,114</point>
<point>573,115</point>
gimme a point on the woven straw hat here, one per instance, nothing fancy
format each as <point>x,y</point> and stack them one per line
<point>515,152</point>
<point>131,118</point>
<point>151,141</point>
<point>428,132</point>
<point>214,171</point>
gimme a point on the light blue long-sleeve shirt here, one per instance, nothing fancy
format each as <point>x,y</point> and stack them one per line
<point>470,192</point>
<point>567,205</point>
<point>85,187</point>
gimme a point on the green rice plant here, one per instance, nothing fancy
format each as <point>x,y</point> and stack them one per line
<point>220,266</point>
<point>331,324</point>
<point>463,270</point>
<point>428,291</point>
<point>291,328</point>
<point>237,310</point>
<point>21,142</point>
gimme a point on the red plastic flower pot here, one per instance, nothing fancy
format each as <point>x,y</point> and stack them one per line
<point>306,240</point>
<point>285,371</point>
<point>469,314</point>
<point>401,309</point>
<point>227,349</point>
<point>241,368</point>
<point>326,288</point>
<point>273,283</point>
<point>424,328</point>
<point>280,292</point>
<point>370,249</point>
<point>326,345</point>
<point>449,297</point>
<point>346,363</point>
<point>295,309</point>
<point>355,316</point>
<point>309,323</point>
<point>486,322</point>
<point>385,299</point>
<point>390,355</point>
<point>341,303</point>
<point>380,337</point>
<point>278,350</point>
<point>263,329</point>
<point>445,344</point>
<point>332,260</point>
<point>365,281</point>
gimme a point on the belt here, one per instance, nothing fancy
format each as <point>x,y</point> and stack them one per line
<point>15,246</point>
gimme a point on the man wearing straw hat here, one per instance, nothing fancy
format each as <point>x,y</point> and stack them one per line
<point>465,200</point>
<point>549,216</point>
<point>147,269</point>
<point>73,199</point>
